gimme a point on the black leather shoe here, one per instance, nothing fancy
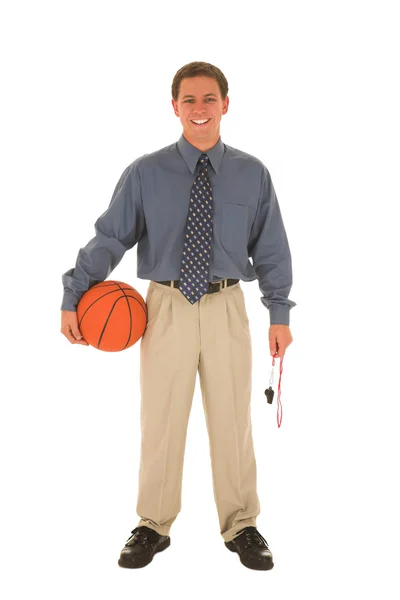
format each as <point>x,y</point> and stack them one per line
<point>252,549</point>
<point>141,547</point>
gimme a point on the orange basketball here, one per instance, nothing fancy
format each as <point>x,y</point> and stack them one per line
<point>112,316</point>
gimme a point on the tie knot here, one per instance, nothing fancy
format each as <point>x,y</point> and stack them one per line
<point>203,160</point>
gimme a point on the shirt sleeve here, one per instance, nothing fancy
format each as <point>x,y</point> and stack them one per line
<point>269,248</point>
<point>118,229</point>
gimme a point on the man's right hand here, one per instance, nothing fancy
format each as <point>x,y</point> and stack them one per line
<point>70,328</point>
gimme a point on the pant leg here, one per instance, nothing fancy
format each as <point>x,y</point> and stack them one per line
<point>226,378</point>
<point>169,356</point>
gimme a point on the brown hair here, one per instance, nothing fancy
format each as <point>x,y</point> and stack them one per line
<point>195,69</point>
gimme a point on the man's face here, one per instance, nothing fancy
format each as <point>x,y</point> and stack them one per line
<point>200,98</point>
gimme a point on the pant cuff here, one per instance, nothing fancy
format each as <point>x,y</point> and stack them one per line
<point>232,532</point>
<point>161,529</point>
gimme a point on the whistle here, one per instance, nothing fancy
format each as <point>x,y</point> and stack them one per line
<point>270,394</point>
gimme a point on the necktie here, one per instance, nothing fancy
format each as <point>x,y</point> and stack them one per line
<point>195,265</point>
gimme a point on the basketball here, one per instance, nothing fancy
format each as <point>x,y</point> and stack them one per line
<point>112,316</point>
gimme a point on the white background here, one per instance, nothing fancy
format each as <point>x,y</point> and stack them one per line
<point>313,90</point>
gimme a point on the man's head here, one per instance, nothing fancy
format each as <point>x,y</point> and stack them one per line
<point>199,91</point>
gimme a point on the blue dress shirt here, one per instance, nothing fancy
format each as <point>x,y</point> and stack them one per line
<point>149,208</point>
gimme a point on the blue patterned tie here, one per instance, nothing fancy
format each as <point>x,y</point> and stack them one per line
<point>195,266</point>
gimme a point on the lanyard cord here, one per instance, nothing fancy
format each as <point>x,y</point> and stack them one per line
<point>279,391</point>
<point>270,392</point>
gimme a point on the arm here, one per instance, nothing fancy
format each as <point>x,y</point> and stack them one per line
<point>118,229</point>
<point>268,247</point>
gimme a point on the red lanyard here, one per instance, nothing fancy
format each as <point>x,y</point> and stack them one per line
<point>270,392</point>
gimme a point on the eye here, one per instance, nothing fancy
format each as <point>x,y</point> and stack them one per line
<point>190,99</point>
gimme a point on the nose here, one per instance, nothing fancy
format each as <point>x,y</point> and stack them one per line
<point>199,104</point>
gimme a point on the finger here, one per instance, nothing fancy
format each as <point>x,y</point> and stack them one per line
<point>68,335</point>
<point>71,337</point>
<point>274,348</point>
<point>76,334</point>
<point>83,342</point>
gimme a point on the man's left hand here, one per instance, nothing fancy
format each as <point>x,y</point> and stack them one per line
<point>279,339</point>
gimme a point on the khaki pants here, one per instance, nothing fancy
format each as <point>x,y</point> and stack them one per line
<point>212,337</point>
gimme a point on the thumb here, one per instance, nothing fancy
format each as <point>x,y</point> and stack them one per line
<point>76,333</point>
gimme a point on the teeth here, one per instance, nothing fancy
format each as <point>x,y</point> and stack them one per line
<point>201,121</point>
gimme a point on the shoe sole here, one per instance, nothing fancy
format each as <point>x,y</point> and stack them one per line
<point>262,565</point>
<point>160,548</point>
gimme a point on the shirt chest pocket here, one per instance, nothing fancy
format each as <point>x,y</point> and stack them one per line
<point>234,227</point>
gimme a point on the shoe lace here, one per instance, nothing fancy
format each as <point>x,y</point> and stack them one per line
<point>253,536</point>
<point>139,536</point>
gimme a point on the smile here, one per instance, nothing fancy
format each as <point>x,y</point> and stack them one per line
<point>200,122</point>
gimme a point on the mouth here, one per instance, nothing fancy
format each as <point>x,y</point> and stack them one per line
<point>200,124</point>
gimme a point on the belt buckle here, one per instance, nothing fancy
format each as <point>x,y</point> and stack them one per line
<point>221,284</point>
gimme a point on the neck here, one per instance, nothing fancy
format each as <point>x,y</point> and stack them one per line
<point>203,145</point>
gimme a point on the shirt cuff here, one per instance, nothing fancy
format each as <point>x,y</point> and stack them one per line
<point>69,301</point>
<point>279,315</point>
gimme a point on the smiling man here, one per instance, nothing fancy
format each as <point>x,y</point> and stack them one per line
<point>198,209</point>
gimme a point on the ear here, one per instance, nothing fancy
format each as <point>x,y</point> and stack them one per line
<point>175,107</point>
<point>225,105</point>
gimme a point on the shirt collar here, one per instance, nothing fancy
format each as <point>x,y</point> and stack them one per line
<point>191,155</point>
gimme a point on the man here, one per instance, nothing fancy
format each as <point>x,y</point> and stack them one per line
<point>198,210</point>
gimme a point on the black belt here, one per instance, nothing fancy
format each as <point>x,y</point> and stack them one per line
<point>212,287</point>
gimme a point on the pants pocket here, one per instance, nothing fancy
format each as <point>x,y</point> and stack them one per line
<point>153,303</point>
